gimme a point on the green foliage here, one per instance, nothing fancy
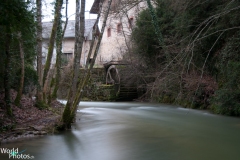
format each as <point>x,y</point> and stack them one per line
<point>203,37</point>
<point>209,30</point>
<point>16,17</point>
<point>227,97</point>
<point>144,34</point>
<point>5,128</point>
<point>30,78</point>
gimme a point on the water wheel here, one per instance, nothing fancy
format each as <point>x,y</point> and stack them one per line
<point>123,90</point>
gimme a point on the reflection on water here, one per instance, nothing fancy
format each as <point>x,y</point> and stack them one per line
<point>135,131</point>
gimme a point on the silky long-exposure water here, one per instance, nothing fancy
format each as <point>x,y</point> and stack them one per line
<point>138,131</point>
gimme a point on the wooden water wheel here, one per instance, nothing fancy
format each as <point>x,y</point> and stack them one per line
<point>123,90</point>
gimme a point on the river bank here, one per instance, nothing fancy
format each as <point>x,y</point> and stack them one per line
<point>28,120</point>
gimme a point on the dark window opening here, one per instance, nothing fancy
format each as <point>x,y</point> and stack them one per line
<point>119,28</point>
<point>90,61</point>
<point>130,22</point>
<point>109,32</point>
<point>66,57</point>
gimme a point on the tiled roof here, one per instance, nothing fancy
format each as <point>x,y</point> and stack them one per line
<point>70,30</point>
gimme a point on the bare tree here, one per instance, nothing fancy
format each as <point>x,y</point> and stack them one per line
<point>86,78</point>
<point>59,39</point>
<point>51,46</point>
<point>67,117</point>
<point>70,109</point>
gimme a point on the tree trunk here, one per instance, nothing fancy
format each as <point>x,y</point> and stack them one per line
<point>86,78</point>
<point>51,45</point>
<point>66,23</point>
<point>93,40</point>
<point>7,74</point>
<point>39,50</point>
<point>101,34</point>
<point>60,36</point>
<point>21,84</point>
<point>58,61</point>
<point>79,38</point>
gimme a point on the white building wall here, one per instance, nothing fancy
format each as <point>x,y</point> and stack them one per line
<point>45,53</point>
<point>113,47</point>
<point>67,47</point>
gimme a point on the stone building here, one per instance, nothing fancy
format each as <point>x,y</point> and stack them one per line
<point>69,41</point>
<point>120,22</point>
<point>116,37</point>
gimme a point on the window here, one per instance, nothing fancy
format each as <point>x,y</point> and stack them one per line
<point>90,60</point>
<point>66,57</point>
<point>130,21</point>
<point>109,32</point>
<point>119,28</point>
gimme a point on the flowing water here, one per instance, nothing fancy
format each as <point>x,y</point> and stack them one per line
<point>138,131</point>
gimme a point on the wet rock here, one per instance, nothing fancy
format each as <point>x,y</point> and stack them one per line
<point>37,128</point>
<point>43,133</point>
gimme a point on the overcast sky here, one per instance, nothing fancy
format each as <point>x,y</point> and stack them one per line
<point>47,10</point>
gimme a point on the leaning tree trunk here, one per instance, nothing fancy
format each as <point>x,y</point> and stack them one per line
<point>67,118</point>
<point>94,38</point>
<point>93,42</point>
<point>86,78</point>
<point>58,61</point>
<point>66,23</point>
<point>51,46</point>
<point>39,50</point>
<point>20,89</point>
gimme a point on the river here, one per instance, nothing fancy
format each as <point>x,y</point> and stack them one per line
<point>137,131</point>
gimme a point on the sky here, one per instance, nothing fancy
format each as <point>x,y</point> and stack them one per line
<point>47,10</point>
